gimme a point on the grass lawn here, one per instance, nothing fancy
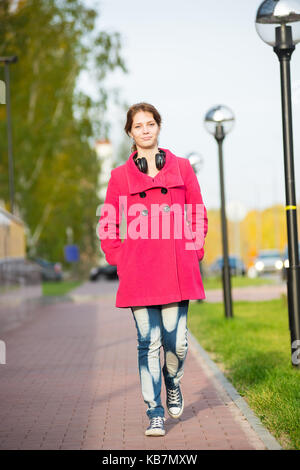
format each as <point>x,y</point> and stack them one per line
<point>59,288</point>
<point>253,350</point>
<point>215,282</point>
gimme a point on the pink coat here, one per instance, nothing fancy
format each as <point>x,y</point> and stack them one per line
<point>158,261</point>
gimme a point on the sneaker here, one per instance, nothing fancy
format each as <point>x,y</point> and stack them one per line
<point>175,402</point>
<point>156,427</point>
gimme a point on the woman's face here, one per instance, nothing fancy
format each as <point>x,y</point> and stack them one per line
<point>144,129</point>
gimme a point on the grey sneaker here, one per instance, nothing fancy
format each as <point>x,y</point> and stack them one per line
<point>156,427</point>
<point>175,402</point>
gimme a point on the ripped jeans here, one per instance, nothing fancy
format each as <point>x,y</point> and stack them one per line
<point>160,325</point>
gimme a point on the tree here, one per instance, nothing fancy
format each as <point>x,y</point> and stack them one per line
<point>54,125</point>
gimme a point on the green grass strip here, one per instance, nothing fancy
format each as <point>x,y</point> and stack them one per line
<point>60,287</point>
<point>253,350</point>
<point>215,282</point>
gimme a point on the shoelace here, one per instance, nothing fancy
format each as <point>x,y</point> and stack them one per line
<point>156,422</point>
<point>174,396</point>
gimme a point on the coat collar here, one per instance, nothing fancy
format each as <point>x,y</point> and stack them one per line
<point>168,177</point>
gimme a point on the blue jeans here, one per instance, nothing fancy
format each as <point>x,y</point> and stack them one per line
<point>160,325</point>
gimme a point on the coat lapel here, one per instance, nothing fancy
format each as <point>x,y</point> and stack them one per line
<point>168,177</point>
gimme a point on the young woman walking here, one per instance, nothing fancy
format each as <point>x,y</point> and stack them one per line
<point>158,262</point>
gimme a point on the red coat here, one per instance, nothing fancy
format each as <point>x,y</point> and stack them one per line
<point>154,268</point>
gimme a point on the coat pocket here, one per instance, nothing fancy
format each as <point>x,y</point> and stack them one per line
<point>189,237</point>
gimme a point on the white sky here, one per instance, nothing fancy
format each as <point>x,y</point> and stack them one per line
<point>184,58</point>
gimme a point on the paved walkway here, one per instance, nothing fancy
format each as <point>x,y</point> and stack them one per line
<point>90,290</point>
<point>71,382</point>
<point>251,293</point>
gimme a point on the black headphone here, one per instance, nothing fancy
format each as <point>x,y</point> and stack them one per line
<point>142,164</point>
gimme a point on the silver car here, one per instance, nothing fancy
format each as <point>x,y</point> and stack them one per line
<point>268,261</point>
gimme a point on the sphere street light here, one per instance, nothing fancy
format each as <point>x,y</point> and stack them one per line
<point>219,121</point>
<point>196,161</point>
<point>278,24</point>
<point>281,13</point>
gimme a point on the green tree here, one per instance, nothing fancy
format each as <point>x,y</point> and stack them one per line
<point>55,124</point>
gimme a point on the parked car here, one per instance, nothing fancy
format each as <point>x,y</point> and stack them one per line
<point>50,271</point>
<point>236,265</point>
<point>286,259</point>
<point>108,272</point>
<point>268,261</point>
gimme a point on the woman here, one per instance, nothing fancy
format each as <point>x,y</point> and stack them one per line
<point>158,262</point>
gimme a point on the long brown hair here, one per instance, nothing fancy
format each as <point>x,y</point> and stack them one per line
<point>146,107</point>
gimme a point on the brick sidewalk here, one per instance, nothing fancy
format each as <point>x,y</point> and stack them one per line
<point>71,382</point>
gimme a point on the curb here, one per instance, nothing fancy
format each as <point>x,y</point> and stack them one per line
<point>221,382</point>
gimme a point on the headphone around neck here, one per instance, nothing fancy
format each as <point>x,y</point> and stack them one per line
<point>142,164</point>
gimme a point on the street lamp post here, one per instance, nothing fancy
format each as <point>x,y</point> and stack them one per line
<point>278,24</point>
<point>219,121</point>
<point>7,61</point>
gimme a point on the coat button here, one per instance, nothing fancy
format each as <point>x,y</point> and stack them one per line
<point>144,212</point>
<point>143,194</point>
<point>164,190</point>
<point>166,208</point>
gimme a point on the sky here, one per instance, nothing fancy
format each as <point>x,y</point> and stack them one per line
<point>185,58</point>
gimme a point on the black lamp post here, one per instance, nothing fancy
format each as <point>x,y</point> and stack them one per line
<point>278,24</point>
<point>7,61</point>
<point>219,121</point>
